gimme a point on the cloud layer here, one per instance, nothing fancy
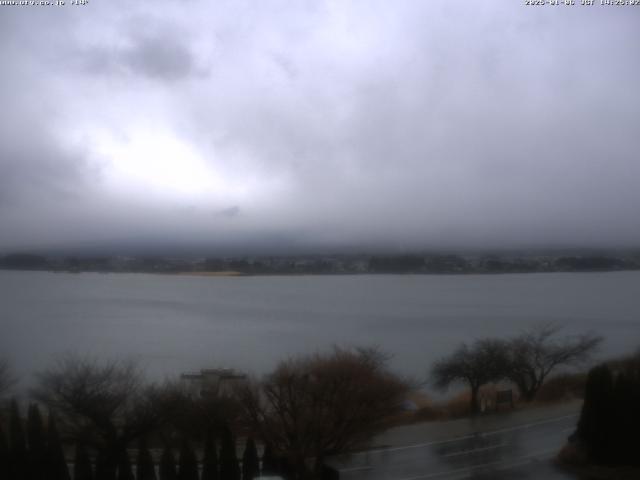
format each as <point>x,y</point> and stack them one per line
<point>401,125</point>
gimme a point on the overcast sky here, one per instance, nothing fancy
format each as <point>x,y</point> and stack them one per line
<point>401,124</point>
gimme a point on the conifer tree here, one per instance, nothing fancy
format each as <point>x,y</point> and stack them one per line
<point>250,461</point>
<point>229,468</point>
<point>37,444</point>
<point>124,466</point>
<point>623,424</point>
<point>286,469</point>
<point>4,456</point>
<point>145,469</point>
<point>82,464</point>
<point>18,449</point>
<point>168,465</point>
<point>210,459</point>
<point>269,462</point>
<point>329,473</point>
<point>105,466</point>
<point>56,462</point>
<point>188,463</point>
<point>634,414</point>
<point>594,426</point>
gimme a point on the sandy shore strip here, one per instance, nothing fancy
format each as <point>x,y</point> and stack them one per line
<point>222,273</point>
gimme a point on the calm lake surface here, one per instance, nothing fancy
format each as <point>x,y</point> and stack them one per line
<point>178,323</point>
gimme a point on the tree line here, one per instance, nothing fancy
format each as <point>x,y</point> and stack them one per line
<point>36,453</point>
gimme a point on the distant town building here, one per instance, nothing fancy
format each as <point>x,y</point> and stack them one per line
<point>212,381</point>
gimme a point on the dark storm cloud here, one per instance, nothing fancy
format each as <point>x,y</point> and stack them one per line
<point>413,124</point>
<point>160,55</point>
<point>36,164</point>
<point>156,57</point>
<point>41,170</point>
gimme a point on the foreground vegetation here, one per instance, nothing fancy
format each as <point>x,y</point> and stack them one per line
<point>308,409</point>
<point>605,444</point>
<point>104,417</point>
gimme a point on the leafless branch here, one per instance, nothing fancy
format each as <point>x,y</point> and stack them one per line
<point>323,404</point>
<point>537,352</point>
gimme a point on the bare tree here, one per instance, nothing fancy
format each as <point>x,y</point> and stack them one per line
<point>476,365</point>
<point>319,405</point>
<point>6,378</point>
<point>102,404</point>
<point>537,352</point>
<point>192,415</point>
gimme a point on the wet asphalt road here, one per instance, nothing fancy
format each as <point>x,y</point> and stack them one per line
<point>519,452</point>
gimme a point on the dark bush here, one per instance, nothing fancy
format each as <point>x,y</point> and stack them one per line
<point>609,422</point>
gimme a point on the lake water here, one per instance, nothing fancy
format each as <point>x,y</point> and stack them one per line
<point>178,323</point>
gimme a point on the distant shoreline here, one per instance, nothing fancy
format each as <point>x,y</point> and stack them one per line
<point>232,273</point>
<point>406,264</point>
